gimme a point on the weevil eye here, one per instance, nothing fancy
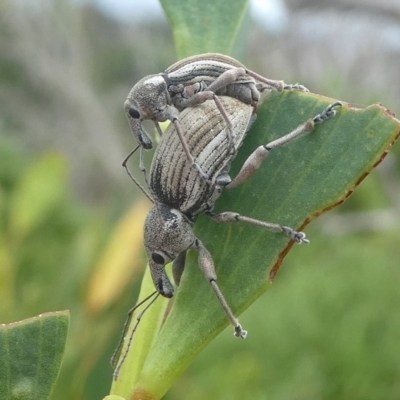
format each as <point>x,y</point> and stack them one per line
<point>134,113</point>
<point>158,259</point>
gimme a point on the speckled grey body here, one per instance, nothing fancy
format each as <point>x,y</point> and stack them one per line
<point>189,82</point>
<point>202,70</point>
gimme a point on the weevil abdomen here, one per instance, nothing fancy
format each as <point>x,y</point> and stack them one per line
<point>207,60</point>
<point>173,181</point>
<point>205,69</point>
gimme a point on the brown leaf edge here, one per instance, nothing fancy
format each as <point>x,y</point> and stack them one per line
<point>285,251</point>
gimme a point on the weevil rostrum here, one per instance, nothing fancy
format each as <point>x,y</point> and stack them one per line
<point>180,194</point>
<point>189,82</point>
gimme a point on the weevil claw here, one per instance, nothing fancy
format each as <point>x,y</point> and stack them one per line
<point>329,112</point>
<point>295,86</point>
<point>298,237</point>
<point>239,331</point>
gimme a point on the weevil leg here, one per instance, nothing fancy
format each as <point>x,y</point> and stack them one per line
<point>256,158</point>
<point>141,165</point>
<point>201,97</point>
<point>185,146</point>
<point>142,168</point>
<point>228,122</point>
<point>226,78</point>
<point>223,179</point>
<point>206,264</point>
<point>178,266</point>
<point>231,75</point>
<point>172,114</point>
<point>276,85</point>
<point>116,363</point>
<point>329,112</point>
<point>158,129</point>
<point>229,216</point>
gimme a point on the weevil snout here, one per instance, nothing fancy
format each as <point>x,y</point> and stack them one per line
<point>148,99</point>
<point>160,279</point>
<point>135,123</point>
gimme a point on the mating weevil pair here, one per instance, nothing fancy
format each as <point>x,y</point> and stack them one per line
<point>189,82</point>
<point>211,138</point>
<point>180,194</point>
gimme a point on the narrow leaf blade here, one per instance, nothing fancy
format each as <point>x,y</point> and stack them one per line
<point>30,356</point>
<point>204,26</point>
<point>294,185</point>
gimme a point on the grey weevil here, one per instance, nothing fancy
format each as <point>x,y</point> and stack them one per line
<point>189,82</point>
<point>179,194</point>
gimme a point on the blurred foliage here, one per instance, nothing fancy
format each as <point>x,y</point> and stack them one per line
<point>330,326</point>
<point>58,254</point>
<point>64,72</point>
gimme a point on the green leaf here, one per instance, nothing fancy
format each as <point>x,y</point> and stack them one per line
<point>30,356</point>
<point>143,339</point>
<point>295,184</point>
<point>191,21</point>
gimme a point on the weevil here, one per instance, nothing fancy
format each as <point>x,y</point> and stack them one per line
<point>189,82</point>
<point>179,194</point>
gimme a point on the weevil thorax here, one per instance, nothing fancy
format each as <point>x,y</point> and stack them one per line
<point>167,233</point>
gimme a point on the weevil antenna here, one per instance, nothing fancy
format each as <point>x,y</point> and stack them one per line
<point>116,359</point>
<point>138,184</point>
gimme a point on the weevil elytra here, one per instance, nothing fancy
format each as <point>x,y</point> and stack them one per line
<point>180,194</point>
<point>189,82</point>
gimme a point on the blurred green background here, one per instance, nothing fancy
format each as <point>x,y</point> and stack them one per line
<point>71,220</point>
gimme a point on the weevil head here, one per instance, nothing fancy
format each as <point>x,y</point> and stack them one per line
<point>148,98</point>
<point>167,233</point>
